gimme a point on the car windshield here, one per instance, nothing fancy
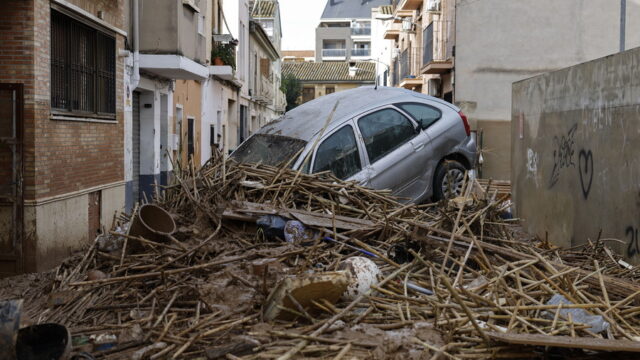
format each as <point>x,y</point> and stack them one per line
<point>268,149</point>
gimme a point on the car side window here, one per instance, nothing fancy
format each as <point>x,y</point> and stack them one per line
<point>339,153</point>
<point>424,115</point>
<point>383,131</point>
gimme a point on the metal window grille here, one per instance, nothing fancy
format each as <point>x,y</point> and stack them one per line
<point>405,70</point>
<point>83,67</point>
<point>427,39</point>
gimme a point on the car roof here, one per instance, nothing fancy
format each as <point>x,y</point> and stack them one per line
<point>308,119</point>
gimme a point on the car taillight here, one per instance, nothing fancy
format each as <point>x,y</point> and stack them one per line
<point>467,128</point>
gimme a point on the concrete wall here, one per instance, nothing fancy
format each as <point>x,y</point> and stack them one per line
<point>216,111</point>
<point>576,153</point>
<point>170,27</point>
<point>499,42</point>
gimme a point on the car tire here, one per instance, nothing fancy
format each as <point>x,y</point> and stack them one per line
<point>448,173</point>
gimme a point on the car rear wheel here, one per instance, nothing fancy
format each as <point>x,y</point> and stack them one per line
<point>449,180</point>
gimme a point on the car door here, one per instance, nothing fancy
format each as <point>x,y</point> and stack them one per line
<point>395,151</point>
<point>340,153</point>
<point>428,117</point>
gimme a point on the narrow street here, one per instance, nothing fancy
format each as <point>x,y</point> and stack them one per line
<point>319,179</point>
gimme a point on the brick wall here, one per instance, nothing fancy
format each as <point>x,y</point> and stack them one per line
<point>59,156</point>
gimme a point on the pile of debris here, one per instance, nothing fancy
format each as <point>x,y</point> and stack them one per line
<point>257,262</point>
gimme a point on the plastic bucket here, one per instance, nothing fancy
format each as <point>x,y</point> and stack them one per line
<point>152,223</point>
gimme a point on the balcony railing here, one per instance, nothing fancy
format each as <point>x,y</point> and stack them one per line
<point>361,31</point>
<point>334,53</point>
<point>437,42</point>
<point>361,52</point>
<point>408,63</point>
<point>395,78</point>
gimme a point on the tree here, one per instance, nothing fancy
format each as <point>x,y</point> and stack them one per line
<point>292,89</point>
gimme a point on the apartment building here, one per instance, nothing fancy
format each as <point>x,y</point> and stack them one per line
<point>61,127</point>
<point>344,32</point>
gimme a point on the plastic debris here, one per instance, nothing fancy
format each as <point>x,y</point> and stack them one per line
<point>272,226</point>
<point>597,322</point>
<point>364,273</point>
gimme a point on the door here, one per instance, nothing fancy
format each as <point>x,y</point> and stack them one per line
<point>190,138</point>
<point>11,109</point>
<point>340,154</point>
<point>135,151</point>
<point>396,151</point>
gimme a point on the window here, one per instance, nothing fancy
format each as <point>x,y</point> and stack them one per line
<point>384,131</point>
<point>339,153</point>
<point>308,94</point>
<point>83,68</point>
<point>424,115</point>
<point>329,90</point>
<point>243,130</point>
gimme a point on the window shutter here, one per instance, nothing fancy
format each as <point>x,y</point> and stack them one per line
<point>265,67</point>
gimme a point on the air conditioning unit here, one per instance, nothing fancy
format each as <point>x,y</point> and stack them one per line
<point>433,5</point>
<point>434,87</point>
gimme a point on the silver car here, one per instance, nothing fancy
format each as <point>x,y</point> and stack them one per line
<point>384,138</point>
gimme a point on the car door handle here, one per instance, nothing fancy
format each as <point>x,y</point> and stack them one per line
<point>418,147</point>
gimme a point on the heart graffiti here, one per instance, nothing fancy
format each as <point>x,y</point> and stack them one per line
<point>585,162</point>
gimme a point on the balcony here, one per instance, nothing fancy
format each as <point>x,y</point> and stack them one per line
<point>407,68</point>
<point>438,49</point>
<point>409,4</point>
<point>334,54</point>
<point>391,34</point>
<point>361,31</point>
<point>360,52</point>
<point>173,50</point>
<point>401,14</point>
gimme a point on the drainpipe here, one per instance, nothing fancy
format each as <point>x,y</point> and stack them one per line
<point>135,79</point>
<point>623,23</point>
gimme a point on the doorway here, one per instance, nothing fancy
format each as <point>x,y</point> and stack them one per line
<point>11,201</point>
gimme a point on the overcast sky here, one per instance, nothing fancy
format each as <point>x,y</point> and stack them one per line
<point>299,21</point>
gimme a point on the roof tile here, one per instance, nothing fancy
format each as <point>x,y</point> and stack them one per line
<point>330,71</point>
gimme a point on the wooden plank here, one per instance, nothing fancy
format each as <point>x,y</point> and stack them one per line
<point>567,342</point>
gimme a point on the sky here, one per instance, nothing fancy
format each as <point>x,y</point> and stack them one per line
<point>299,21</point>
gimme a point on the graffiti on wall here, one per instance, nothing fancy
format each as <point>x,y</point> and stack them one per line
<point>564,150</point>
<point>585,167</point>
<point>632,236</point>
<point>563,153</point>
<point>631,233</point>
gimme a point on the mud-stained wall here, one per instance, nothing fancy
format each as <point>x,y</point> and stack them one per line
<point>576,153</point>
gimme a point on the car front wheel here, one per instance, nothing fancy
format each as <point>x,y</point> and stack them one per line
<point>449,180</point>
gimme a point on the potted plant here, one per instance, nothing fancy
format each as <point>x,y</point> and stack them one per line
<point>223,54</point>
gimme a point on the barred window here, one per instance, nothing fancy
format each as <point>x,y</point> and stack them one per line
<point>83,68</point>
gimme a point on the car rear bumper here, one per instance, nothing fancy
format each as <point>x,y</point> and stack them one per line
<point>469,150</point>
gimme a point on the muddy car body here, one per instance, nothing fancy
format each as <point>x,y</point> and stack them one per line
<point>386,138</point>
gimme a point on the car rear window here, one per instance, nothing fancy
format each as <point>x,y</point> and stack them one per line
<point>268,149</point>
<point>425,115</point>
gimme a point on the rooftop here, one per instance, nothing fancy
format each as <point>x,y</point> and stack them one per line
<point>298,53</point>
<point>351,9</point>
<point>330,71</point>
